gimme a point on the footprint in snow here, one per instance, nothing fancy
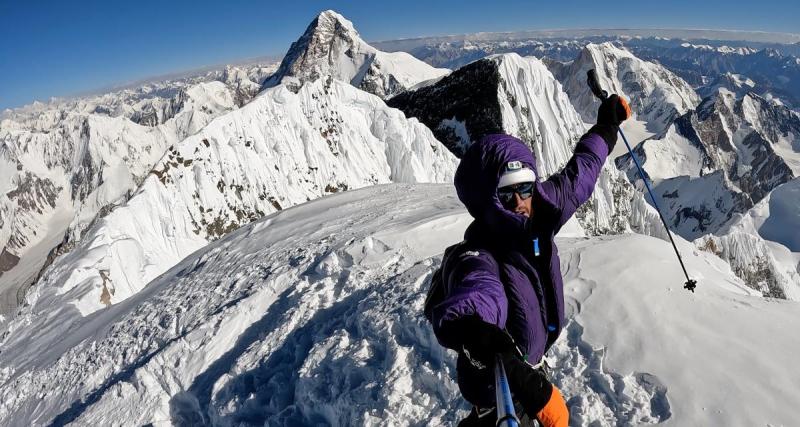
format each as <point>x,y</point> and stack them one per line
<point>597,396</point>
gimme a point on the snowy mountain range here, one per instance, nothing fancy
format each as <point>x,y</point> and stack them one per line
<point>697,57</point>
<point>280,150</point>
<point>253,245</point>
<point>657,96</point>
<point>714,164</point>
<point>68,163</point>
<point>749,140</point>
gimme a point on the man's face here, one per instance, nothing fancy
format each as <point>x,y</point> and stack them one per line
<point>517,198</point>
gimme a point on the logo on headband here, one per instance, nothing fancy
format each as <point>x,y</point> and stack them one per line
<point>514,165</point>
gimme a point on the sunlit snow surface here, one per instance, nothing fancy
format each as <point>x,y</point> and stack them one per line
<point>90,154</point>
<point>313,316</point>
<point>253,161</point>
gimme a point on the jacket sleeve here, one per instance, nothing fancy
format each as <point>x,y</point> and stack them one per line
<point>472,287</point>
<point>573,185</point>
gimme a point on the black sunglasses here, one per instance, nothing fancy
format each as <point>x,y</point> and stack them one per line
<point>506,194</point>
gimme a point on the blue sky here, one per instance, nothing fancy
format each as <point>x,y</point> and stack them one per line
<point>61,48</point>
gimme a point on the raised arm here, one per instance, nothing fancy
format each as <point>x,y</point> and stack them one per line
<point>573,185</point>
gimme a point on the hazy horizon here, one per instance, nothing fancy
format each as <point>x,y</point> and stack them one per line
<point>183,73</point>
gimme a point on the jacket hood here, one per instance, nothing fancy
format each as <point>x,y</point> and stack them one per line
<point>476,182</point>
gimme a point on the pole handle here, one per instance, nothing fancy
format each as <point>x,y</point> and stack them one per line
<point>594,85</point>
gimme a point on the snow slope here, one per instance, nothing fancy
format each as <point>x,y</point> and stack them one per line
<point>332,46</point>
<point>313,316</point>
<point>281,149</point>
<point>708,352</point>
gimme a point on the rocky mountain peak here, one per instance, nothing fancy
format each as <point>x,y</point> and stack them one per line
<point>503,93</point>
<point>328,35</point>
<point>736,83</point>
<point>720,160</point>
<point>331,46</point>
<point>657,96</point>
<point>331,21</point>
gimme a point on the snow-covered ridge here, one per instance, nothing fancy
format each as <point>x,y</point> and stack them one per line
<point>722,49</point>
<point>280,150</point>
<point>332,46</point>
<point>761,244</point>
<point>499,93</point>
<point>306,269</point>
<point>72,161</point>
<point>736,83</point>
<point>313,315</point>
<point>136,102</point>
<point>656,95</point>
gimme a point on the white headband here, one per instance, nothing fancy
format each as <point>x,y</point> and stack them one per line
<point>512,177</point>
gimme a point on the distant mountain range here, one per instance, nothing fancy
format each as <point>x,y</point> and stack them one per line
<point>774,68</point>
<point>757,39</point>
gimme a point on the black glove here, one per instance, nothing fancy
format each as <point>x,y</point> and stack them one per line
<point>481,341</point>
<point>612,112</point>
<point>529,385</point>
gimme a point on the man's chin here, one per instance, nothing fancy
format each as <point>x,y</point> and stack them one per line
<point>525,214</point>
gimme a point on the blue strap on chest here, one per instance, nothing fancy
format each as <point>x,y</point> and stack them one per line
<point>536,247</point>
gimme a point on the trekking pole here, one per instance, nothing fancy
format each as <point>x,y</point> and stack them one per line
<point>505,406</point>
<point>594,85</point>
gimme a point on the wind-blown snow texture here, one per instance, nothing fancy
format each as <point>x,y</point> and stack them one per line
<point>313,315</point>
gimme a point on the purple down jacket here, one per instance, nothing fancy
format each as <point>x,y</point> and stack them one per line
<point>496,273</point>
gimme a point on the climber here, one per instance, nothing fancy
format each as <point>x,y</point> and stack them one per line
<point>500,290</point>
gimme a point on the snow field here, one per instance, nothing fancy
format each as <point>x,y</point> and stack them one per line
<point>313,316</point>
<point>724,355</point>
